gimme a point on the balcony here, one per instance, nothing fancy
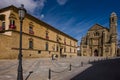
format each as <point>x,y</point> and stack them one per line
<point>47,37</point>
<point>11,26</point>
<point>2,28</point>
<point>31,32</point>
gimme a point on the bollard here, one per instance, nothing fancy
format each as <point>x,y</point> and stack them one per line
<point>82,64</point>
<point>49,76</point>
<point>70,67</point>
<point>94,60</point>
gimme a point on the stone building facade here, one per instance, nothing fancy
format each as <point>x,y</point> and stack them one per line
<point>39,38</point>
<point>101,41</point>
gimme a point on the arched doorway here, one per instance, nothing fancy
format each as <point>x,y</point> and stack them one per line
<point>61,52</point>
<point>96,52</point>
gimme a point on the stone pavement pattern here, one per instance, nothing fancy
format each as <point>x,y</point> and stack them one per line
<point>40,68</point>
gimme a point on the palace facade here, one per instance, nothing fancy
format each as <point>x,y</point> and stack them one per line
<point>101,41</point>
<point>39,39</point>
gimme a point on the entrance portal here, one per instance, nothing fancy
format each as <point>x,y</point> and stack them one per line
<point>60,52</point>
<point>96,52</point>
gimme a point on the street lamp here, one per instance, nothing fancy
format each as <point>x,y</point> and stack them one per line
<point>22,13</point>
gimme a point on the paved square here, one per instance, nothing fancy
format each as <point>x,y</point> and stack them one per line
<point>40,68</point>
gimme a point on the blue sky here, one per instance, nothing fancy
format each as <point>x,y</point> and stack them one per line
<point>73,17</point>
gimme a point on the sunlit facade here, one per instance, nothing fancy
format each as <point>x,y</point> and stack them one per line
<point>39,38</point>
<point>101,41</point>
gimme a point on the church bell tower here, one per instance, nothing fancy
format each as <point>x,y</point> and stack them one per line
<point>113,33</point>
<point>113,23</point>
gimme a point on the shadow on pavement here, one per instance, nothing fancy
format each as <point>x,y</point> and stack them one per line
<point>101,70</point>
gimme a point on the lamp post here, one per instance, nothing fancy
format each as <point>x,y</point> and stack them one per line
<point>22,13</point>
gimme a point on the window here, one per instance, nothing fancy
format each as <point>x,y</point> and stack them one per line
<point>30,43</point>
<point>47,46</point>
<point>31,30</point>
<point>74,50</point>
<point>3,25</point>
<point>96,34</point>
<point>65,41</point>
<point>47,37</point>
<point>112,19</point>
<point>12,24</point>
<point>64,49</point>
<point>57,48</point>
<point>57,38</point>
<point>70,49</point>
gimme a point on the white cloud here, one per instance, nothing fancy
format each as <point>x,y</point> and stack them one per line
<point>30,5</point>
<point>61,2</point>
<point>42,16</point>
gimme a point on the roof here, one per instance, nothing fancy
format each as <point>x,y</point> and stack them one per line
<point>96,27</point>
<point>12,7</point>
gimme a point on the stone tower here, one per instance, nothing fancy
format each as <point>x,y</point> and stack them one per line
<point>113,23</point>
<point>113,33</point>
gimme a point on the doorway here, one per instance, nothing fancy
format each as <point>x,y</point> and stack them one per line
<point>60,52</point>
<point>96,52</point>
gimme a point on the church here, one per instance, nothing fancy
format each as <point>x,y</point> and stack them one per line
<point>101,41</point>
